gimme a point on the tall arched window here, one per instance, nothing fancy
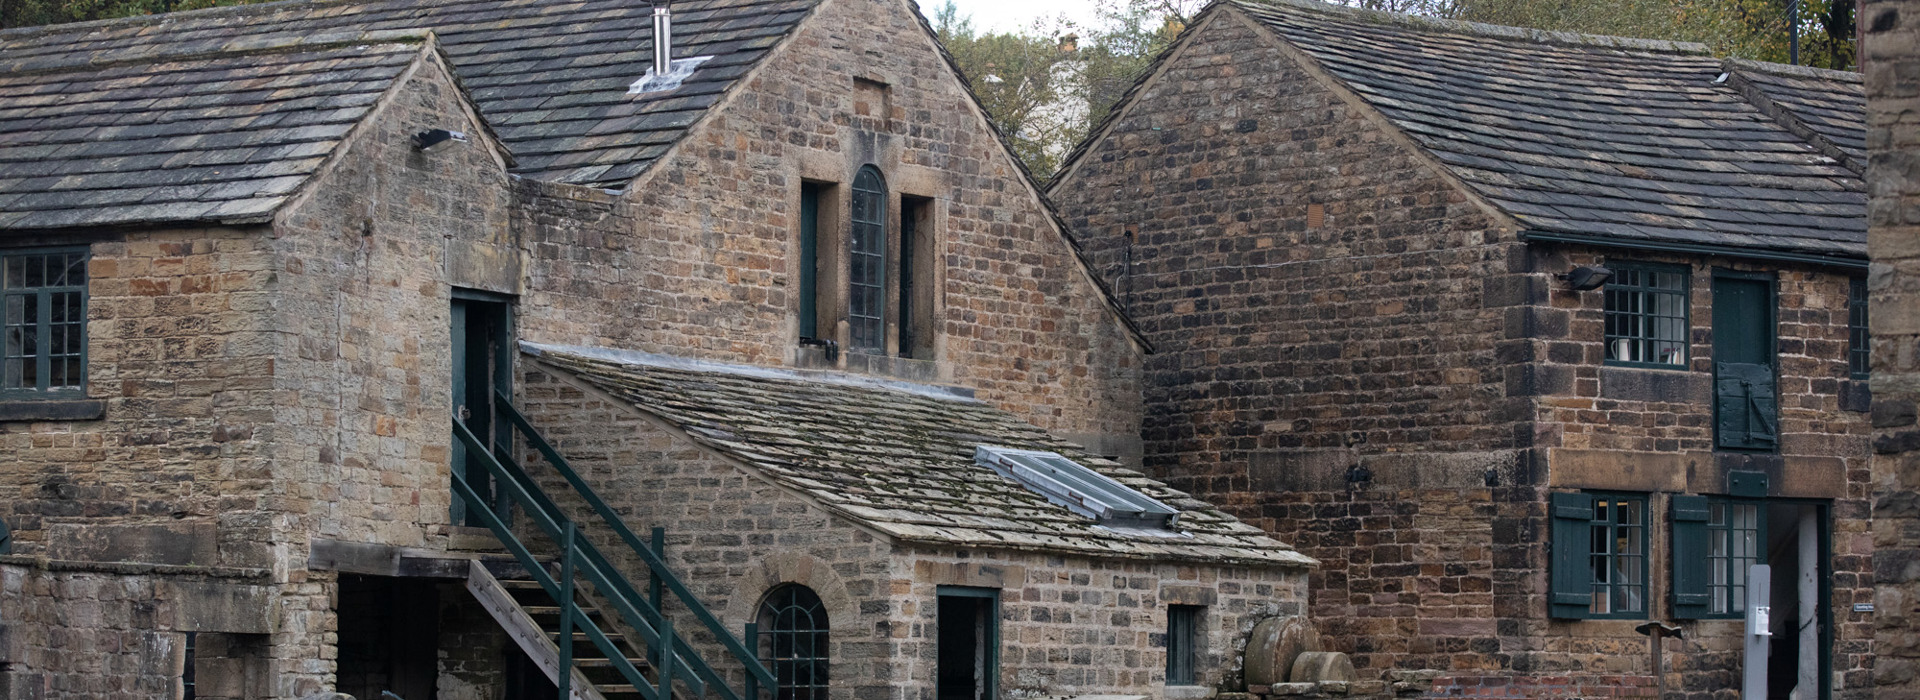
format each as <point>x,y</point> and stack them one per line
<point>867,275</point>
<point>793,633</point>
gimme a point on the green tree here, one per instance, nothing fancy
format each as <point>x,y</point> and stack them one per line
<point>28,13</point>
<point>1754,29</point>
<point>1021,79</point>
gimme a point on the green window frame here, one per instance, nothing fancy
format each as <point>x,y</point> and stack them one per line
<point>43,323</point>
<point>867,263</point>
<point>1715,540</point>
<point>1859,340</point>
<point>794,642</point>
<point>810,196</point>
<point>1647,315</point>
<point>1598,568</point>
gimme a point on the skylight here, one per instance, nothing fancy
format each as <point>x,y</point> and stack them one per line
<point>1079,489</point>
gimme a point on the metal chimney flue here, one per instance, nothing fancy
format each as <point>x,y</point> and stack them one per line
<point>662,40</point>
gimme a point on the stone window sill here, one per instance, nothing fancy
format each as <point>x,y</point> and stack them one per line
<point>55,410</point>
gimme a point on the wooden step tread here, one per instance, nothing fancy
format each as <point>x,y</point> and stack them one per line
<point>554,610</point>
<point>598,662</point>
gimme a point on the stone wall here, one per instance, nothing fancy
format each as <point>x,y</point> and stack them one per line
<point>1069,625</point>
<point>1355,356</point>
<point>701,258</point>
<point>1326,361</point>
<point>94,630</point>
<point>179,359</point>
<point>1890,57</point>
<point>1078,626</point>
<point>366,266</point>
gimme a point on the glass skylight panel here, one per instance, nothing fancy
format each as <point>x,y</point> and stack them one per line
<point>1067,483</point>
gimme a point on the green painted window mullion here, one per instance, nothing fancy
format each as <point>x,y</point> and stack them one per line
<point>43,335</point>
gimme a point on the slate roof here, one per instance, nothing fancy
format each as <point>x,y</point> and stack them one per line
<point>1605,137</point>
<point>227,137</point>
<point>549,76</point>
<point>900,459</point>
<point>1827,107</point>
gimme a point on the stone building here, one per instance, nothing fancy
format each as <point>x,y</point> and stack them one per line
<point>1529,338</point>
<point>358,346</point>
<point>1890,62</point>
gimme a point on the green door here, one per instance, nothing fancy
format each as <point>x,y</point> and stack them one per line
<point>482,365</point>
<point>1746,413</point>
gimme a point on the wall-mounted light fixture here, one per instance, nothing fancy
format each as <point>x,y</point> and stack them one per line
<point>1584,278</point>
<point>436,139</point>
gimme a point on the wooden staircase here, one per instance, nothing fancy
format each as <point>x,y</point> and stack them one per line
<point>586,644</point>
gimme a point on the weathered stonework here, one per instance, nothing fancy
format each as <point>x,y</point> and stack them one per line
<point>1890,58</point>
<point>1361,355</point>
<point>1069,625</point>
<point>275,397</point>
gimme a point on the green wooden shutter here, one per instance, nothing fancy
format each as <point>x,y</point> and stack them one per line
<point>1745,406</point>
<point>1691,569</point>
<point>1570,572</point>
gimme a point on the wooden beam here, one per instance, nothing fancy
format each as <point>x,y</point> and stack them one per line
<point>524,631</point>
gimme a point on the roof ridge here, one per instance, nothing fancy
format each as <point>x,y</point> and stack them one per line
<point>164,17</point>
<point>312,42</point>
<point>686,364</point>
<point>1788,69</point>
<point>1491,31</point>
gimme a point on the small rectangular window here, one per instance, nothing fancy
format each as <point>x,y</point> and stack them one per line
<point>1646,315</point>
<point>43,322</point>
<point>1599,562</point>
<point>1618,556</point>
<point>188,689</point>
<point>1733,545</point>
<point>1183,644</point>
<point>916,221</point>
<point>1858,357</point>
<point>809,287</point>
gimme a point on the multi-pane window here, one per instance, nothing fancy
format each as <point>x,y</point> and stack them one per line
<point>43,318</point>
<point>1618,556</point>
<point>1599,556</point>
<point>1646,315</point>
<point>1858,357</point>
<point>867,269</point>
<point>793,641</point>
<point>1183,644</point>
<point>1733,545</point>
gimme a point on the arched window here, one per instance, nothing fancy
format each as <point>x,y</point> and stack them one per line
<point>793,634</point>
<point>867,273</point>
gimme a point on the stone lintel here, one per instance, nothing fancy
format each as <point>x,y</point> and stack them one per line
<point>970,574</point>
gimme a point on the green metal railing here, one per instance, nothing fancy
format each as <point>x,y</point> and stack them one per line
<point>564,533</point>
<point>643,613</point>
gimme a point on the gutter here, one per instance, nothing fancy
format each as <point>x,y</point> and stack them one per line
<point>1842,261</point>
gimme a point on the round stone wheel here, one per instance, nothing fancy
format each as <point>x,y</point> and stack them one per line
<point>1318,666</point>
<point>1274,644</point>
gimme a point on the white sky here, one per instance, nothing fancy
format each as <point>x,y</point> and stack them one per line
<point>1009,15</point>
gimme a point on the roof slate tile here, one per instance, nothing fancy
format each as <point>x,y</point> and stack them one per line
<point>1603,136</point>
<point>902,461</point>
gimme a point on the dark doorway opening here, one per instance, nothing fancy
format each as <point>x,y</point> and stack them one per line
<point>389,637</point>
<point>482,366</point>
<point>1797,551</point>
<point>968,643</point>
<point>525,680</point>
